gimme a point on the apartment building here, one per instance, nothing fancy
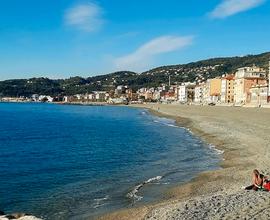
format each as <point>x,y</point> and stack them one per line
<point>245,79</point>
<point>215,90</point>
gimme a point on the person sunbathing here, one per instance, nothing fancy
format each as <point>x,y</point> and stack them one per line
<point>260,182</point>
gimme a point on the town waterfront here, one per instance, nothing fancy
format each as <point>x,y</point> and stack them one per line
<point>77,162</point>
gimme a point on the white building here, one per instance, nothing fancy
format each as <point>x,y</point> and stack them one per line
<point>223,90</point>
<point>120,90</point>
<point>182,93</point>
<point>250,72</point>
<point>35,97</point>
<point>49,98</point>
<point>117,101</point>
<point>100,96</point>
<point>42,98</point>
<point>92,97</point>
<point>198,93</point>
<point>259,95</point>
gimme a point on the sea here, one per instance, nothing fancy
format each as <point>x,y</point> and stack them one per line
<point>79,162</point>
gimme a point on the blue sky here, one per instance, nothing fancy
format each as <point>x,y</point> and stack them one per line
<point>63,38</point>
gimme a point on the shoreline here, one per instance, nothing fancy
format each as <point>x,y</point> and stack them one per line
<point>243,135</point>
<point>224,183</point>
<point>186,189</point>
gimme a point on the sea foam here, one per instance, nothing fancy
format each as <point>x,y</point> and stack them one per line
<point>133,194</point>
<point>213,147</point>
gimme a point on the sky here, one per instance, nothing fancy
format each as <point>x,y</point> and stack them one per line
<point>64,38</point>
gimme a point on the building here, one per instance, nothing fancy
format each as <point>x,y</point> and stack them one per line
<point>134,97</point>
<point>182,93</point>
<point>250,72</point>
<point>118,101</point>
<point>35,97</point>
<point>215,90</point>
<point>92,97</point>
<point>185,92</point>
<point>148,95</point>
<point>227,89</point>
<point>100,96</point>
<point>245,78</point>
<point>268,95</point>
<point>129,94</point>
<point>259,95</point>
<point>198,93</point>
<point>120,90</point>
<point>223,90</point>
<point>190,92</point>
<point>158,95</point>
<point>170,96</point>
<point>206,92</point>
<point>230,89</point>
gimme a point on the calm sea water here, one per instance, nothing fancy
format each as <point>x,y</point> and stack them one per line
<point>75,162</point>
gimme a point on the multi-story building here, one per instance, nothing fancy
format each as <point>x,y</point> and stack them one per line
<point>119,90</point>
<point>259,95</point>
<point>227,89</point>
<point>249,72</point>
<point>268,98</point>
<point>100,96</point>
<point>215,90</point>
<point>182,94</point>
<point>35,97</point>
<point>223,91</point>
<point>206,92</point>
<point>190,92</point>
<point>198,93</point>
<point>170,96</point>
<point>230,89</point>
<point>92,97</point>
<point>148,95</point>
<point>185,92</point>
<point>245,78</point>
<point>158,95</point>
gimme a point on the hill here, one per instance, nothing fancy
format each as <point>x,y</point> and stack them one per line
<point>195,71</point>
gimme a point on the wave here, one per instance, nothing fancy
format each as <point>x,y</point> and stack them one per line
<point>213,147</point>
<point>167,124</point>
<point>171,125</point>
<point>98,202</point>
<point>133,194</point>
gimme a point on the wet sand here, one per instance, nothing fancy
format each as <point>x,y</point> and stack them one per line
<point>244,136</point>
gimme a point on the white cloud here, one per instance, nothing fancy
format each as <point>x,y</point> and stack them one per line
<point>144,55</point>
<point>230,7</point>
<point>85,17</point>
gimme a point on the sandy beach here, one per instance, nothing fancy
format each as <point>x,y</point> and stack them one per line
<point>243,135</point>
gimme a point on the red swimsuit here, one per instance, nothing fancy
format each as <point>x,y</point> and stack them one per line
<point>267,186</point>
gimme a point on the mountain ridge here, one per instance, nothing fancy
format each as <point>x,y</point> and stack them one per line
<point>194,71</point>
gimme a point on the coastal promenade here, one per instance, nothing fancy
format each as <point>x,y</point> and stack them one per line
<point>243,135</point>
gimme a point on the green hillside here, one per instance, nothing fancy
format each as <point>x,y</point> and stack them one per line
<point>195,71</point>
